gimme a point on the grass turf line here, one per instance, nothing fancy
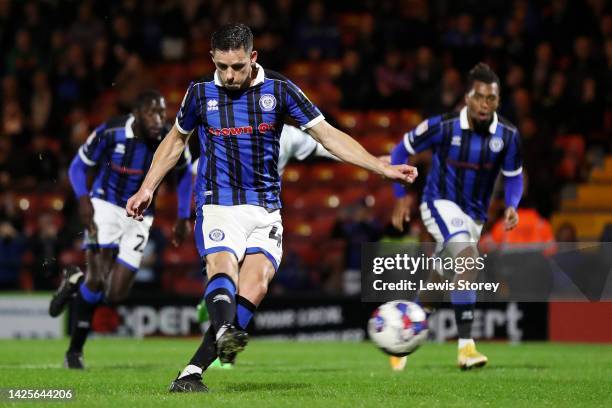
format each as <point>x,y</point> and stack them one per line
<point>136,373</point>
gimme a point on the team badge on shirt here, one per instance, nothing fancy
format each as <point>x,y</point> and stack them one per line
<point>267,102</point>
<point>496,144</point>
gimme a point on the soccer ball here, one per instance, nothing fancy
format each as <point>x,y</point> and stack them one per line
<point>398,328</point>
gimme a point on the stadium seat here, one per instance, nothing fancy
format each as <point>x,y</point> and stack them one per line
<point>26,202</point>
<point>353,195</point>
<point>379,144</point>
<point>295,175</point>
<point>352,122</point>
<point>328,95</point>
<point>381,120</point>
<point>349,175</point>
<point>72,256</point>
<point>302,72</point>
<point>322,200</point>
<point>184,254</point>
<point>323,174</point>
<point>314,227</point>
<point>165,224</point>
<point>304,249</point>
<point>329,69</point>
<point>289,194</point>
<point>573,147</point>
<point>199,68</point>
<point>172,74</point>
<point>51,202</point>
<point>408,120</point>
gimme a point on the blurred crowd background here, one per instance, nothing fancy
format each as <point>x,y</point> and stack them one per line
<point>376,69</point>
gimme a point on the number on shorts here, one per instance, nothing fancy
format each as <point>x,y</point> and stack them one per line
<point>273,235</point>
<point>140,246</point>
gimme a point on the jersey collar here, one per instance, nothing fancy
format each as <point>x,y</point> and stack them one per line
<point>465,124</point>
<point>129,132</point>
<point>258,79</point>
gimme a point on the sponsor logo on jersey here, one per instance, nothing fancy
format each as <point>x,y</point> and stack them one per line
<point>126,170</point>
<point>212,105</point>
<point>496,144</point>
<point>456,141</point>
<point>267,102</point>
<point>216,235</point>
<point>242,130</point>
<point>120,148</point>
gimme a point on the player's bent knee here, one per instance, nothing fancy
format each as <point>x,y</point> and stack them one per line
<point>94,281</point>
<point>222,262</point>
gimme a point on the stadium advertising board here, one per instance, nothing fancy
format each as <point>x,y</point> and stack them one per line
<point>324,318</point>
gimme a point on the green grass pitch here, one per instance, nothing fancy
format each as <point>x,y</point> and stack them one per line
<point>136,373</point>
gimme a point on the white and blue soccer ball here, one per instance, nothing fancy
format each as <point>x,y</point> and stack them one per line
<point>398,328</point>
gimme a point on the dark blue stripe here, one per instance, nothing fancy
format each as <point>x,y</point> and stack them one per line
<point>220,281</point>
<point>89,296</point>
<point>127,265</point>
<point>463,297</point>
<point>255,250</point>
<point>198,233</point>
<point>439,221</point>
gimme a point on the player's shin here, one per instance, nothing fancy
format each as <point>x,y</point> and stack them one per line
<point>244,311</point>
<point>84,306</point>
<point>464,302</point>
<point>220,299</point>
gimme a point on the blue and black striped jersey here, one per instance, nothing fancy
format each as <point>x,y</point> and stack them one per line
<point>239,134</point>
<point>465,164</point>
<point>122,159</point>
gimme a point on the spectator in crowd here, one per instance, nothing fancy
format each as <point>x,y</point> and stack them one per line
<point>45,247</point>
<point>355,81</point>
<point>67,63</point>
<point>317,35</point>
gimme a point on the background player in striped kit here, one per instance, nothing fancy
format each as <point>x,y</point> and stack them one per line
<point>239,116</point>
<point>469,150</point>
<point>121,150</point>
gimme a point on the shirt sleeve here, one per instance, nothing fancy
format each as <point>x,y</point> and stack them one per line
<point>425,136</point>
<point>94,147</point>
<point>513,161</point>
<point>304,112</point>
<point>187,116</point>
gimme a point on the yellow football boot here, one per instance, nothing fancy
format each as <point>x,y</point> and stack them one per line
<point>468,357</point>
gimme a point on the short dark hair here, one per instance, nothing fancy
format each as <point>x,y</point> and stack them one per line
<point>232,37</point>
<point>145,98</point>
<point>483,73</point>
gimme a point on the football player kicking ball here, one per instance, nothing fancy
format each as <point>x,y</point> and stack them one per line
<point>239,115</point>
<point>121,150</point>
<point>294,143</point>
<point>469,150</point>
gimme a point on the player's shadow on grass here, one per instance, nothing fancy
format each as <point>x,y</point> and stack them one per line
<point>269,386</point>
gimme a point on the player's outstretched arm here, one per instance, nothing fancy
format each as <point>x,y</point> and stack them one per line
<point>513,191</point>
<point>166,156</point>
<point>349,150</point>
